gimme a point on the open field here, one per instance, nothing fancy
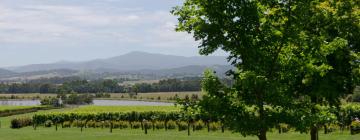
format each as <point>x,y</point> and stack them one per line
<point>2,107</point>
<point>128,134</point>
<point>90,109</point>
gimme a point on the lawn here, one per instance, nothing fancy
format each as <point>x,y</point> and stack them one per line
<point>128,134</point>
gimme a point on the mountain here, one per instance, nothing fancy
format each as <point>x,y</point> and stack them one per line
<point>129,62</point>
<point>17,77</point>
<point>4,72</point>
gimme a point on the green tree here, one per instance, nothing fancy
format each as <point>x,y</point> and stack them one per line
<point>283,50</point>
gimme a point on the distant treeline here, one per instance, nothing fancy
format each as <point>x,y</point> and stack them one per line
<point>103,86</point>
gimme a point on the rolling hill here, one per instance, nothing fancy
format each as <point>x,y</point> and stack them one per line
<point>128,62</point>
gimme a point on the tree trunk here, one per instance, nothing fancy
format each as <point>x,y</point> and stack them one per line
<point>325,129</point>
<point>262,135</point>
<point>142,125</point>
<point>111,127</point>
<point>188,128</point>
<point>208,126</point>
<point>56,126</point>
<point>165,126</point>
<point>145,127</point>
<point>153,126</point>
<point>314,133</point>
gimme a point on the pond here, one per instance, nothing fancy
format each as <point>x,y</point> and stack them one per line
<point>96,102</point>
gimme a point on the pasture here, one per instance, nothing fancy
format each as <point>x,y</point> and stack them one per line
<point>102,109</point>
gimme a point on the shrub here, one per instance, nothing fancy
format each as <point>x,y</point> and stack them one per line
<point>356,97</point>
<point>355,127</point>
<point>171,125</point>
<point>48,123</point>
<point>284,127</point>
<point>182,125</point>
<point>121,124</point>
<point>199,125</point>
<point>214,126</point>
<point>147,125</point>
<point>20,122</point>
<point>67,124</point>
<point>159,125</point>
<point>91,124</point>
<point>136,125</point>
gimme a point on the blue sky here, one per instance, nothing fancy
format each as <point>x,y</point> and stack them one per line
<point>44,31</point>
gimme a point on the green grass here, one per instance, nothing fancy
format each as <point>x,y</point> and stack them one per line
<point>90,109</point>
<point>8,107</point>
<point>136,134</point>
<point>127,134</point>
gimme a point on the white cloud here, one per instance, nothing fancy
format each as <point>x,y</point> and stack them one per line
<point>104,27</point>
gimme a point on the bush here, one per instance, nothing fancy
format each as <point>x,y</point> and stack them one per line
<point>51,101</point>
<point>182,125</point>
<point>199,125</point>
<point>67,124</point>
<point>171,125</point>
<point>136,125</point>
<point>121,124</point>
<point>356,97</point>
<point>148,125</point>
<point>214,126</point>
<point>20,122</point>
<point>159,125</point>
<point>355,127</point>
<point>48,123</point>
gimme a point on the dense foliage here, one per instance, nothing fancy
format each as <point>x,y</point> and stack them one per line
<point>289,55</point>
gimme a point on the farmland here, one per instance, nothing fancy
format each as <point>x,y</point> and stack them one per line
<point>102,109</point>
<point>74,133</point>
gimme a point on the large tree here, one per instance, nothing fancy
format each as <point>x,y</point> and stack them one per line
<point>284,51</point>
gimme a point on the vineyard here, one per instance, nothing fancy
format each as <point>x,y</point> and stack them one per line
<point>111,117</point>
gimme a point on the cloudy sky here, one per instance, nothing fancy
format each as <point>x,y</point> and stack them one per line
<point>43,31</point>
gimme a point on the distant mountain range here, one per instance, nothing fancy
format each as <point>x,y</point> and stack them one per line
<point>4,72</point>
<point>128,62</point>
<point>131,63</point>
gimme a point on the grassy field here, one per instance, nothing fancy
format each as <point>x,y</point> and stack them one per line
<point>6,107</point>
<point>42,133</point>
<point>89,109</point>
